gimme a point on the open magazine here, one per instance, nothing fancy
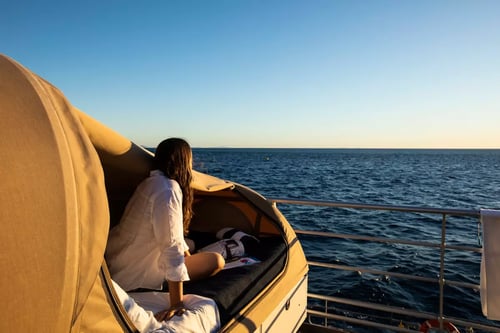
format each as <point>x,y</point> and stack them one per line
<point>243,261</point>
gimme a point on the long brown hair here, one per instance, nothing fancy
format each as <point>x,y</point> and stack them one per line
<point>173,157</point>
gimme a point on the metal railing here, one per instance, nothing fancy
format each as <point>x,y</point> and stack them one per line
<point>330,318</point>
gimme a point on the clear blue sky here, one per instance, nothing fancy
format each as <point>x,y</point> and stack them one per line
<point>251,73</point>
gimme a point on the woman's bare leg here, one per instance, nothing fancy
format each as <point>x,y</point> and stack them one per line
<point>204,264</point>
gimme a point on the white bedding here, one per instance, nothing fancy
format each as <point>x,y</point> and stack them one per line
<point>202,314</point>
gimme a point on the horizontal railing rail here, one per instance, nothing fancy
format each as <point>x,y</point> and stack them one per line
<point>356,205</point>
<point>442,246</point>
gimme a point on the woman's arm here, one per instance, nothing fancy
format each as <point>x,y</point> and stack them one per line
<point>175,289</point>
<point>168,234</point>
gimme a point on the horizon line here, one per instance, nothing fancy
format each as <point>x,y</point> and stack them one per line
<point>340,148</point>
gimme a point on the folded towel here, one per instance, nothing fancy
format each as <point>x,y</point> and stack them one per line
<point>490,264</point>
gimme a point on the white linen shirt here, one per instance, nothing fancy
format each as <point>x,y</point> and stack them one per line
<point>148,246</point>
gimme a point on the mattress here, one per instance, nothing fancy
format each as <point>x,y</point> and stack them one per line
<point>233,288</point>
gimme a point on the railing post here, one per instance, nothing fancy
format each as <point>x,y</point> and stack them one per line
<point>441,272</point>
<point>325,322</point>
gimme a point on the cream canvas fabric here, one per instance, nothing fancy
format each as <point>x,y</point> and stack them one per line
<point>54,215</point>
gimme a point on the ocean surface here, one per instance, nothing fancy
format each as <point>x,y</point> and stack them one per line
<point>464,179</point>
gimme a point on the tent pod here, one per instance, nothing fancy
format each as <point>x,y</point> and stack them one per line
<point>66,179</point>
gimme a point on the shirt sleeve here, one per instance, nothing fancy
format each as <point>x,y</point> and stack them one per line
<point>169,233</point>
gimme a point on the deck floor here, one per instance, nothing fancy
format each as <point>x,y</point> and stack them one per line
<point>310,328</point>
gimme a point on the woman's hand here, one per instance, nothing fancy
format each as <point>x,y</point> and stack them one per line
<point>167,314</point>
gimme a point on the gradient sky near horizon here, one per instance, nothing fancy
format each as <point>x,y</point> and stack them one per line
<point>265,73</point>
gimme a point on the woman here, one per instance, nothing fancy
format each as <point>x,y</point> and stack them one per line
<point>148,248</point>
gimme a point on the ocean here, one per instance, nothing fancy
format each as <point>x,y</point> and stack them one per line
<point>464,179</point>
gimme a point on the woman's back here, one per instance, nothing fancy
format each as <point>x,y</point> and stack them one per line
<point>151,223</point>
